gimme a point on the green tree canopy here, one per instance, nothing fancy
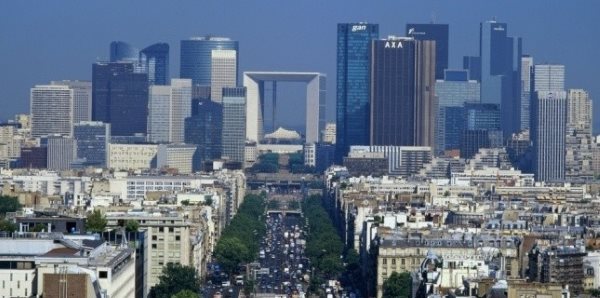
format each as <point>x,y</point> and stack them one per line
<point>95,222</point>
<point>397,285</point>
<point>186,294</point>
<point>38,228</point>
<point>132,226</point>
<point>176,278</point>
<point>9,204</point>
<point>7,226</point>
<point>230,253</point>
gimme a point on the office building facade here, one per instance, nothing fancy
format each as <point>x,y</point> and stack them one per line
<point>120,97</point>
<point>181,157</point>
<point>501,73</point>
<point>526,74</point>
<point>121,51</point>
<point>234,123</point>
<point>223,72</point>
<point>196,57</point>
<point>453,92</point>
<point>155,61</point>
<point>61,152</point>
<point>168,108</point>
<point>402,101</point>
<point>92,140</point>
<point>82,99</point>
<point>548,127</point>
<point>51,110</point>
<point>439,33</point>
<point>352,85</point>
<point>204,128</point>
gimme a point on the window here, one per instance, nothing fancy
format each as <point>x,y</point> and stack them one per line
<point>171,230</point>
<point>154,237</point>
<point>154,245</point>
<point>401,261</point>
<point>393,261</point>
<point>160,229</point>
<point>103,274</point>
<point>177,238</point>
<point>384,261</point>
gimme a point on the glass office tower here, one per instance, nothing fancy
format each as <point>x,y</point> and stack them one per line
<point>204,128</point>
<point>353,76</point>
<point>439,33</point>
<point>120,97</point>
<point>196,57</point>
<point>122,51</point>
<point>92,140</point>
<point>234,123</point>
<point>155,60</point>
<point>501,73</point>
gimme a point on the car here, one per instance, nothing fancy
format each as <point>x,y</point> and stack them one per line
<point>226,283</point>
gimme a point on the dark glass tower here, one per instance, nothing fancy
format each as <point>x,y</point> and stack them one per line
<point>439,33</point>
<point>501,73</point>
<point>352,112</point>
<point>403,106</point>
<point>120,97</point>
<point>122,51</point>
<point>155,60</point>
<point>196,57</point>
<point>92,140</point>
<point>204,128</point>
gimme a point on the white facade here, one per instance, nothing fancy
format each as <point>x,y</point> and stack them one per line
<point>82,99</point>
<point>329,133</point>
<point>180,157</point>
<point>315,101</point>
<point>579,111</point>
<point>223,72</point>
<point>181,100</point>
<point>131,156</point>
<point>548,77</point>
<point>10,142</point>
<point>310,155</point>
<point>526,71</point>
<point>159,114</point>
<point>168,108</point>
<point>51,110</point>
<point>61,152</point>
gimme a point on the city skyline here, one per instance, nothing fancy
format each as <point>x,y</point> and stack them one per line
<point>311,44</point>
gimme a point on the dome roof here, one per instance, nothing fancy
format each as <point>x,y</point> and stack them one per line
<point>282,133</point>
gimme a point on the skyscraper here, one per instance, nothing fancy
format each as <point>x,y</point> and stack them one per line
<point>500,73</point>
<point>439,33</point>
<point>168,108</point>
<point>204,128</point>
<point>453,91</point>
<point>548,77</point>
<point>121,51</point>
<point>580,112</point>
<point>234,123</point>
<point>82,99</point>
<point>580,143</point>
<point>159,114</point>
<point>353,91</point>
<point>61,152</point>
<point>155,61</point>
<point>92,140</point>
<point>481,128</point>
<point>223,72</point>
<point>51,110</point>
<point>196,57</point>
<point>548,123</point>
<point>526,73</point>
<point>403,102</point>
<point>120,97</point>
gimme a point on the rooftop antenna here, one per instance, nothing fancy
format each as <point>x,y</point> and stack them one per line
<point>433,17</point>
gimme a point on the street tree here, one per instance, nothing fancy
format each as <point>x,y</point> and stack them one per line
<point>95,222</point>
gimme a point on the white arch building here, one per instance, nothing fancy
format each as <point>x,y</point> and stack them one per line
<point>254,81</point>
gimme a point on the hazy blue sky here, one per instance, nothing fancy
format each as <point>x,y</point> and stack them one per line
<point>54,40</point>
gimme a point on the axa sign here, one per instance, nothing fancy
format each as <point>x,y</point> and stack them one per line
<point>393,44</point>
